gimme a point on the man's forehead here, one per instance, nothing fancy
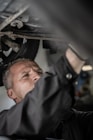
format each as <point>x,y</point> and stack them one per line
<point>20,65</point>
<point>26,62</point>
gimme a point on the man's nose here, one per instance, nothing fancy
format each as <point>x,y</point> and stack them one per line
<point>34,78</point>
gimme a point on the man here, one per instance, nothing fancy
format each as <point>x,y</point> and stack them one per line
<point>44,101</point>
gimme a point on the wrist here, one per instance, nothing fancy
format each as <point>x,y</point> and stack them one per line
<point>74,60</point>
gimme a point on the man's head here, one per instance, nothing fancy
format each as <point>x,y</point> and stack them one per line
<point>20,78</point>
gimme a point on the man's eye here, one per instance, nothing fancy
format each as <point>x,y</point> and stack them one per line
<point>25,75</point>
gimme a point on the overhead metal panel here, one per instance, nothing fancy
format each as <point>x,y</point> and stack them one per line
<point>4,4</point>
<point>15,6</point>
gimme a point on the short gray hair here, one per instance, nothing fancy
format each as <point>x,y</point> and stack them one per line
<point>7,77</point>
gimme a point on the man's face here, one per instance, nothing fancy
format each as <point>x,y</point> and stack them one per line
<point>23,80</point>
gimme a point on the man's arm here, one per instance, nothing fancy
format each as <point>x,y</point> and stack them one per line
<point>41,110</point>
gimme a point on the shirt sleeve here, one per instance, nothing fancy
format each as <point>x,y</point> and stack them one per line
<point>43,107</point>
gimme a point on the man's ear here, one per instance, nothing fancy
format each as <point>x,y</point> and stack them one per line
<point>11,94</point>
